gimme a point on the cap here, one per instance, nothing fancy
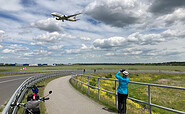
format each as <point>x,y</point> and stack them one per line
<point>125,73</point>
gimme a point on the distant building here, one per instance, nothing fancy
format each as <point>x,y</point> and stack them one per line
<point>25,64</point>
<point>1,64</point>
<point>42,64</point>
<point>33,64</point>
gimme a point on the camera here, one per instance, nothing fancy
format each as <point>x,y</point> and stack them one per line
<point>122,70</point>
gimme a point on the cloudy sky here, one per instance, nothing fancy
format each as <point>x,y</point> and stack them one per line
<point>109,31</point>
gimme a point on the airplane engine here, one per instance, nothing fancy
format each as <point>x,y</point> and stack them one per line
<point>57,18</point>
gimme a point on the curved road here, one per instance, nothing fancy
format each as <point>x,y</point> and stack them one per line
<point>66,100</point>
<point>8,85</point>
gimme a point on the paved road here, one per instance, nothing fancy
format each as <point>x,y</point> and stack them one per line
<point>8,85</point>
<point>66,100</point>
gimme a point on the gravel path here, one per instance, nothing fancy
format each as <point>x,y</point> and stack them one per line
<point>66,100</point>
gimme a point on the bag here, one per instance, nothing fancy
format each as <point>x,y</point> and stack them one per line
<point>32,106</point>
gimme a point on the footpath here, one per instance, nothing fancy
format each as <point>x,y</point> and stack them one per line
<point>66,100</point>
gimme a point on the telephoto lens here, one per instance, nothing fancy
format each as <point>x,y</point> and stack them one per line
<point>122,70</point>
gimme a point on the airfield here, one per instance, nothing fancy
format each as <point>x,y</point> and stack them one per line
<point>12,77</point>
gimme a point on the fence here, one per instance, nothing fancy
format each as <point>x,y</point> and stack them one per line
<point>75,78</point>
<point>19,93</point>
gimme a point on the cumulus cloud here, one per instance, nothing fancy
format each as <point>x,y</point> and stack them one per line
<point>176,17</point>
<point>50,38</point>
<point>56,47</point>
<point>110,42</point>
<point>85,38</point>
<point>40,52</point>
<point>14,48</point>
<point>49,25</point>
<point>8,51</point>
<point>165,6</point>
<point>82,49</point>
<point>117,13</point>
<point>145,39</point>
<point>135,38</point>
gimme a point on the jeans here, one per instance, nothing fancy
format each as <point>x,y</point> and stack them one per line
<point>122,98</point>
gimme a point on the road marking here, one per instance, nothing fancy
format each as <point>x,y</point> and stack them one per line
<point>12,80</point>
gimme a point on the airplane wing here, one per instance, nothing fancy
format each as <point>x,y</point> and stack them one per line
<point>73,15</point>
<point>72,19</point>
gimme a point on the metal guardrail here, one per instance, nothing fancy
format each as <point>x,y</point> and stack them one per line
<point>19,93</point>
<point>75,78</point>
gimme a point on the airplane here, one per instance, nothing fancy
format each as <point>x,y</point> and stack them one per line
<point>64,17</point>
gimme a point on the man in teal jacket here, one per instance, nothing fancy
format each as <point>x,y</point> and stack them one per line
<point>122,90</point>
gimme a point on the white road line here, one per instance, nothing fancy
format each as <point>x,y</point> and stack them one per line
<point>12,80</point>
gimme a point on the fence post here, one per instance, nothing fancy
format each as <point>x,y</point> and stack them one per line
<point>149,99</point>
<point>81,83</point>
<point>98,88</point>
<point>116,102</point>
<point>77,81</point>
<point>88,86</point>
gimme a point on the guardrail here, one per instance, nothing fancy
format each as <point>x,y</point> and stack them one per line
<point>19,93</point>
<point>75,78</point>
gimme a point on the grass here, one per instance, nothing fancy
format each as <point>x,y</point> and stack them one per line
<point>41,94</point>
<point>92,67</point>
<point>167,97</point>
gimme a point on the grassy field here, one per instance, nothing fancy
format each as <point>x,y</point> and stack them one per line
<point>166,97</point>
<point>92,67</point>
<point>170,98</point>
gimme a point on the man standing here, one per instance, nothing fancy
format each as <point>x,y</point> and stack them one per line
<point>122,90</point>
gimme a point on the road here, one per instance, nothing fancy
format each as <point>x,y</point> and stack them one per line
<point>8,85</point>
<point>66,100</point>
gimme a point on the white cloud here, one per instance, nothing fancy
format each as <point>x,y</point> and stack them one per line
<point>176,33</point>
<point>1,46</point>
<point>18,48</point>
<point>8,51</point>
<point>85,38</point>
<point>48,38</point>
<point>145,39</point>
<point>82,49</point>
<point>50,25</point>
<point>110,42</point>
<point>38,53</point>
<point>177,17</point>
<point>56,47</point>
<point>118,13</point>
<point>133,39</point>
<point>15,49</point>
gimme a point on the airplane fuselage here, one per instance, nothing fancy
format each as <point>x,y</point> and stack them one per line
<point>64,17</point>
<point>59,16</point>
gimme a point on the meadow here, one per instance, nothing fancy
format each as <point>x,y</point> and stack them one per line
<point>170,98</point>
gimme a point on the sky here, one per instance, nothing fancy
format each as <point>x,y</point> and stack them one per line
<point>109,31</point>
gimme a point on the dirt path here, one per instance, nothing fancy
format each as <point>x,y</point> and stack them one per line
<point>66,100</point>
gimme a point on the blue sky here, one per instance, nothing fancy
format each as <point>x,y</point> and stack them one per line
<point>109,31</point>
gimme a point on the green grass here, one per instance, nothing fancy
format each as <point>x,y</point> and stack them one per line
<point>92,67</point>
<point>167,97</point>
